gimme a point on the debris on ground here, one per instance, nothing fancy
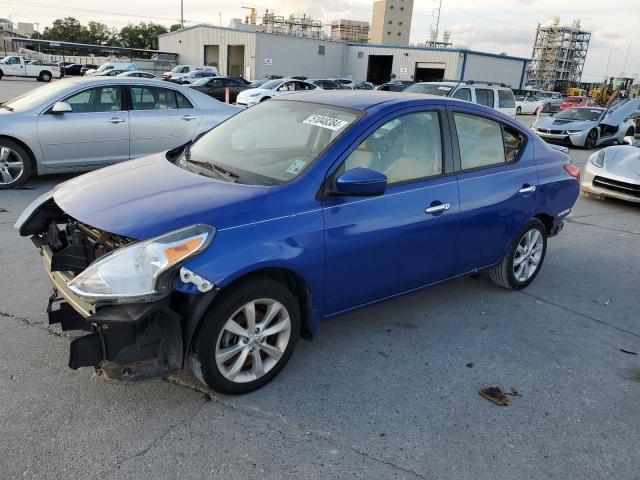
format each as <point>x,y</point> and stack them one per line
<point>632,374</point>
<point>469,365</point>
<point>607,301</point>
<point>628,351</point>
<point>495,395</point>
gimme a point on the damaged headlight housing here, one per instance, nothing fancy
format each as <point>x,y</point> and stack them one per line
<point>598,159</point>
<point>141,271</point>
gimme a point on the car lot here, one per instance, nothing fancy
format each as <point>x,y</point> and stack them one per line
<point>390,391</point>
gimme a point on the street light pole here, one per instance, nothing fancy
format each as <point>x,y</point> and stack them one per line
<point>438,20</point>
<point>38,32</point>
<point>182,13</point>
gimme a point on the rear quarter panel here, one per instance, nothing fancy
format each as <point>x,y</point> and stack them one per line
<point>557,191</point>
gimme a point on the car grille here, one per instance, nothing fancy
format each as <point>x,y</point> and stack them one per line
<point>553,132</point>
<point>622,187</point>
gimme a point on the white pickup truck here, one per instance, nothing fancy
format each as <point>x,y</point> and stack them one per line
<point>15,66</point>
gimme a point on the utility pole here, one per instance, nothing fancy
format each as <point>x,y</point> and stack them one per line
<point>438,20</point>
<point>38,32</point>
<point>181,13</point>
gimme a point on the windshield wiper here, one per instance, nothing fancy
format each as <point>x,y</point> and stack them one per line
<point>2,105</point>
<point>220,172</point>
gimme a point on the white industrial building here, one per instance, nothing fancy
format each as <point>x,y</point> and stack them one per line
<point>255,54</point>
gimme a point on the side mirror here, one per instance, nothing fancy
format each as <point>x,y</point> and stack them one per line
<point>61,107</point>
<point>629,140</point>
<point>361,182</point>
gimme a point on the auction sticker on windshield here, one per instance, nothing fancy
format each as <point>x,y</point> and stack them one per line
<point>325,122</point>
<point>296,166</point>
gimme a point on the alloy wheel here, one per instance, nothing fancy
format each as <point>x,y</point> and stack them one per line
<point>528,255</point>
<point>590,142</point>
<point>253,340</point>
<point>11,166</point>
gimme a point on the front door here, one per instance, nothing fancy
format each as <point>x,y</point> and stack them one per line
<point>497,181</point>
<point>94,133</point>
<point>377,247</point>
<point>161,119</point>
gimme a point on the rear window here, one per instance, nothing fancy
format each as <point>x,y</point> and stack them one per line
<point>505,99</point>
<point>484,97</point>
<point>430,88</point>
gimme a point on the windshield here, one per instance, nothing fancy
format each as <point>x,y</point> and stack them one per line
<point>32,99</point>
<point>585,114</point>
<point>268,144</point>
<point>176,69</point>
<point>272,84</point>
<point>201,81</point>
<point>430,88</point>
<point>259,83</point>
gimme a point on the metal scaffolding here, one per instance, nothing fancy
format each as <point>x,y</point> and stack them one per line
<point>558,56</point>
<point>296,26</point>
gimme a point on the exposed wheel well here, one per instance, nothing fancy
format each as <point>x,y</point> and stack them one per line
<point>27,149</point>
<point>296,284</point>
<point>547,221</point>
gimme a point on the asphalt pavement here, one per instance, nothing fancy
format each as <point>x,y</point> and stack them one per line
<point>387,392</point>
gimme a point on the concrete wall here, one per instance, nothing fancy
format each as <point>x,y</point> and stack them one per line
<point>298,56</point>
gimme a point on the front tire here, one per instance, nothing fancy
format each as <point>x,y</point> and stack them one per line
<point>591,140</point>
<point>15,164</point>
<point>247,337</point>
<point>523,259</point>
<point>518,111</point>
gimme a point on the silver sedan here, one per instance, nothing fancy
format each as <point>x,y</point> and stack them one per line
<point>80,124</point>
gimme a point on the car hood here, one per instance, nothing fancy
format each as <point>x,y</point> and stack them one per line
<point>151,196</point>
<point>554,123</point>
<point>623,160</point>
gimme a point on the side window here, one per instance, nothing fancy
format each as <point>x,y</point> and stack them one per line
<point>14,61</point>
<point>153,98</point>
<point>184,70</point>
<point>405,148</point>
<point>484,97</point>
<point>99,99</point>
<point>287,87</point>
<point>483,142</point>
<point>183,102</point>
<point>304,86</point>
<point>463,94</point>
<point>215,83</point>
<point>505,99</point>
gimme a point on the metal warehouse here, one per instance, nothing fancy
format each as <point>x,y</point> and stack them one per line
<point>253,54</point>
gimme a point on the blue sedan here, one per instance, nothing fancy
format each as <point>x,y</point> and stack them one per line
<point>220,254</point>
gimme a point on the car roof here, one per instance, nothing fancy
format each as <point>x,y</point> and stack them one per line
<point>362,99</point>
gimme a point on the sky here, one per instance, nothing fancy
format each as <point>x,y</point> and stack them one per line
<point>491,25</point>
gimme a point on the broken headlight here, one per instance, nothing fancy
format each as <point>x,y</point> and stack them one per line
<point>141,271</point>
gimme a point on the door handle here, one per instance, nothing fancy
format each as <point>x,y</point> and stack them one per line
<point>116,120</point>
<point>529,189</point>
<point>438,208</point>
<point>188,117</point>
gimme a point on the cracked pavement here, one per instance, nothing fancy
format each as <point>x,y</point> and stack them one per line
<point>387,392</point>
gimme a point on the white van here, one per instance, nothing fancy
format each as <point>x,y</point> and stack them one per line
<point>180,70</point>
<point>493,95</point>
<point>112,65</point>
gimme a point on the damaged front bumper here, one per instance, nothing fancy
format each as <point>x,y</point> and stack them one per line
<point>126,342</point>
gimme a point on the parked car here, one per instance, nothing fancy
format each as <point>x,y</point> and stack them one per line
<point>217,87</point>
<point>86,123</point>
<point>361,86</point>
<point>111,73</point>
<point>528,105</point>
<point>15,66</point>
<point>588,127</point>
<point>327,84</point>
<point>191,77</point>
<point>272,88</point>
<point>493,95</point>
<point>571,102</point>
<point>614,172</point>
<point>73,69</point>
<point>136,74</point>
<point>105,67</point>
<point>180,70</point>
<point>220,255</point>
<point>88,68</point>
<point>394,86</point>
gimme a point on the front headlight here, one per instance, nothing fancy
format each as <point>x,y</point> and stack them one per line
<point>255,95</point>
<point>573,132</point>
<point>598,159</point>
<point>141,271</point>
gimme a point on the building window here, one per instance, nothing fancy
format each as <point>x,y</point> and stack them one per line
<point>399,34</point>
<point>360,55</point>
<point>388,33</point>
<point>399,23</point>
<point>390,22</point>
<point>320,49</point>
<point>391,7</point>
<point>401,8</point>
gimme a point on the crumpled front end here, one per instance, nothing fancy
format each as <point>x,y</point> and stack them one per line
<point>124,341</point>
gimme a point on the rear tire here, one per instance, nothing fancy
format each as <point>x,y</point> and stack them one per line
<point>524,257</point>
<point>231,352</point>
<point>45,77</point>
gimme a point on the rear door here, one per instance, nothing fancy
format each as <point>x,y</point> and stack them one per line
<point>497,183</point>
<point>377,247</point>
<point>161,119</point>
<point>95,133</point>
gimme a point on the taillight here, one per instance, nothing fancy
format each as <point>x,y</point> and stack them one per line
<point>572,170</point>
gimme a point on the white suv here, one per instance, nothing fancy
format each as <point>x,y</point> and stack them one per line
<point>493,95</point>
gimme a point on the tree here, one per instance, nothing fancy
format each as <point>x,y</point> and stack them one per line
<point>99,34</point>
<point>66,29</point>
<point>175,26</point>
<point>144,35</point>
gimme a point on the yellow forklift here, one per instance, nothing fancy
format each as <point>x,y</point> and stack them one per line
<point>613,88</point>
